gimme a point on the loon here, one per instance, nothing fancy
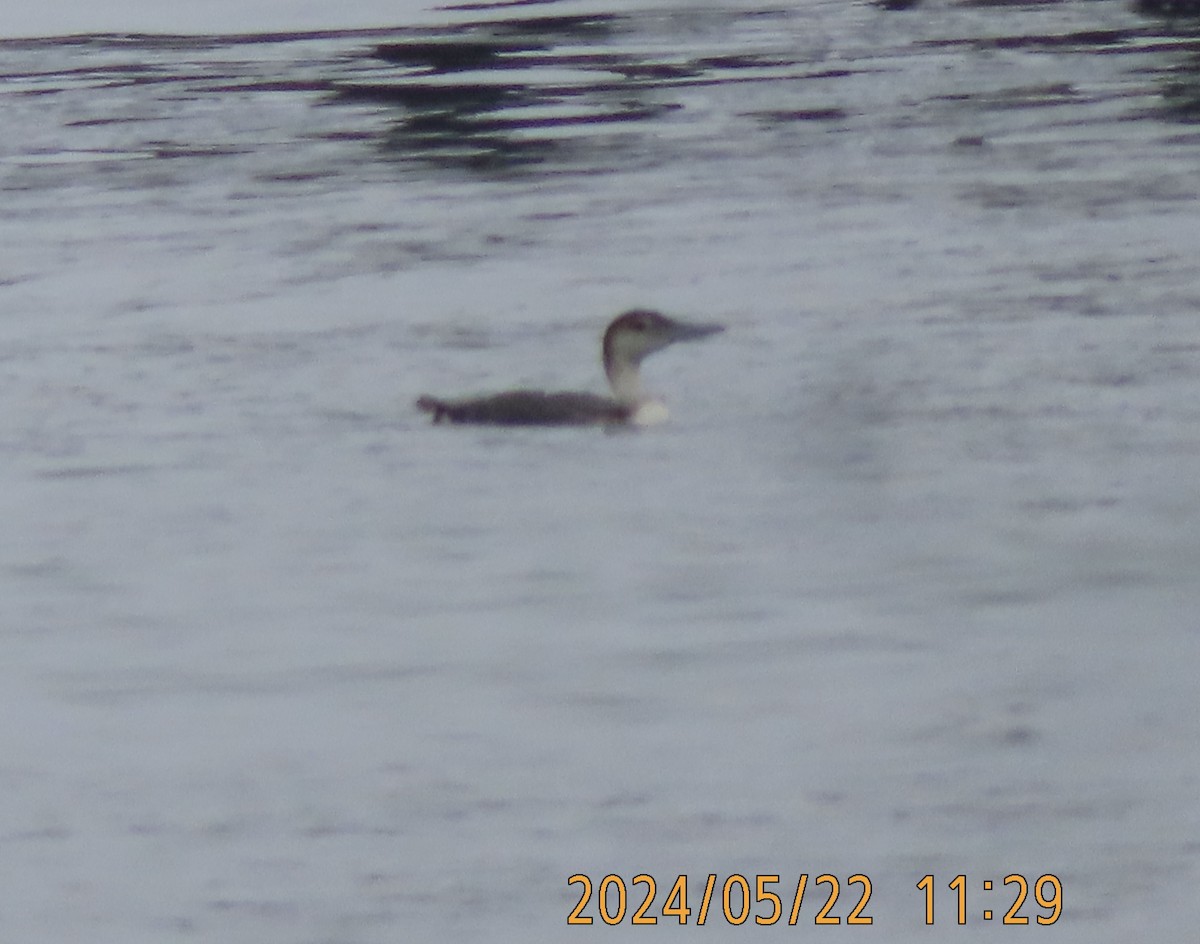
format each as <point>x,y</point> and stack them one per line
<point>631,337</point>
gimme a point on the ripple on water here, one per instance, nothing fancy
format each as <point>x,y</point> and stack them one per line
<point>918,566</point>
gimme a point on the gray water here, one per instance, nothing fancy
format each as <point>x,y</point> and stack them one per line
<point>907,586</point>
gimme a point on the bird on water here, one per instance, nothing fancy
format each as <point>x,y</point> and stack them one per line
<point>630,338</point>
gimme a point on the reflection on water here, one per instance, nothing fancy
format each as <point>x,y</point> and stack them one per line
<point>521,90</point>
<point>497,95</point>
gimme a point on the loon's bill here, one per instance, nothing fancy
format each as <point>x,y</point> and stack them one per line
<point>630,338</point>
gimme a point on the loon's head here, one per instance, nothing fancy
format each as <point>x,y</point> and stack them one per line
<point>637,334</point>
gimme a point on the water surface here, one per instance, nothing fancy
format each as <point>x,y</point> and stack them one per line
<point>907,586</point>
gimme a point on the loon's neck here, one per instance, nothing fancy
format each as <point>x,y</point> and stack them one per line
<point>626,383</point>
<point>625,380</point>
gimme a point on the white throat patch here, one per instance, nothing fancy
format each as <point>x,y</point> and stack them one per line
<point>649,413</point>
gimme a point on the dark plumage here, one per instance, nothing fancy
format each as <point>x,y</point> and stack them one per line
<point>527,408</point>
<point>628,340</point>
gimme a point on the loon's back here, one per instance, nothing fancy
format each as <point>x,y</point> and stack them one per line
<point>528,408</point>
